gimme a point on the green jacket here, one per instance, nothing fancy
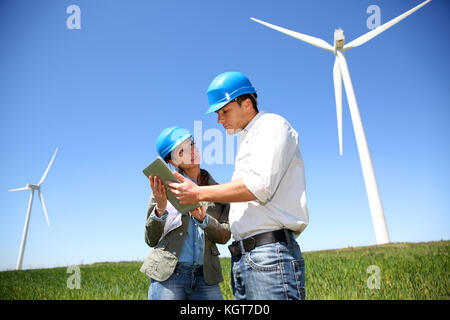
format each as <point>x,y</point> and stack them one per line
<point>167,238</point>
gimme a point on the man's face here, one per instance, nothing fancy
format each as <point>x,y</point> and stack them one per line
<point>232,117</point>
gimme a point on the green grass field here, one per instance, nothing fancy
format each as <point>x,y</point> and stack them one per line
<point>407,271</point>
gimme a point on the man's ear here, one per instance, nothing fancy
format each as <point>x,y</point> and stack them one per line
<point>247,103</point>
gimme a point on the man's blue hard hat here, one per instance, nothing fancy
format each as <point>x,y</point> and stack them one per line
<point>226,87</point>
<point>169,139</point>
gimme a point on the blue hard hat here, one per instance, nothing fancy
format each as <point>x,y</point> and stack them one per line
<point>169,139</point>
<point>226,87</point>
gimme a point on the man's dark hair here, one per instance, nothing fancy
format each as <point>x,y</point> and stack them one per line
<point>252,97</point>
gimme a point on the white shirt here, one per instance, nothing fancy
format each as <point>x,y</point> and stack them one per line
<point>271,165</point>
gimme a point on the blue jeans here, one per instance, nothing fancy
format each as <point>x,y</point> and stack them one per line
<point>186,283</point>
<point>274,271</point>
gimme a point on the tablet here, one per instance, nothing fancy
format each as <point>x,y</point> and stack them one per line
<point>160,169</point>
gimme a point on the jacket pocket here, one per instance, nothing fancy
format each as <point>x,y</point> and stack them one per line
<point>159,264</point>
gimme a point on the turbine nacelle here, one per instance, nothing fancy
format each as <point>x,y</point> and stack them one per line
<point>32,186</point>
<point>339,39</point>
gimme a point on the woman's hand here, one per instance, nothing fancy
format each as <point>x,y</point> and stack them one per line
<point>159,192</point>
<point>199,213</point>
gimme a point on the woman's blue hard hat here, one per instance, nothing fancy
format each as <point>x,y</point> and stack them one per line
<point>226,87</point>
<point>169,139</point>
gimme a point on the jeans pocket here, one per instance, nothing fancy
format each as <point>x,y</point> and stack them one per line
<point>299,273</point>
<point>264,258</point>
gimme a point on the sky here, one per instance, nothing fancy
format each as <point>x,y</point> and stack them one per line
<point>102,94</point>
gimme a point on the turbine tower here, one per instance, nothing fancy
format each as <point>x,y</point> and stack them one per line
<point>341,73</point>
<point>32,187</point>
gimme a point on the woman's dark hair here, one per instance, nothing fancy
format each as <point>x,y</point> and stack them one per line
<point>168,157</point>
<point>252,97</point>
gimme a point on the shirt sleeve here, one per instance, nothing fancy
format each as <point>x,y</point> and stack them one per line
<point>203,224</point>
<point>155,217</point>
<point>272,147</point>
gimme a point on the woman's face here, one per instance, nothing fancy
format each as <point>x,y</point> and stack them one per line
<point>186,155</point>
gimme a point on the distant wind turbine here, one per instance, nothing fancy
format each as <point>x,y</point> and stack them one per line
<point>340,72</point>
<point>32,187</point>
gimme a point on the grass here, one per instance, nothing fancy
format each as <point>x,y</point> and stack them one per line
<point>407,271</point>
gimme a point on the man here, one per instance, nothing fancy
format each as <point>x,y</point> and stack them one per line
<point>267,191</point>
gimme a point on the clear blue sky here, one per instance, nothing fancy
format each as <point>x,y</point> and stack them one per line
<point>103,93</point>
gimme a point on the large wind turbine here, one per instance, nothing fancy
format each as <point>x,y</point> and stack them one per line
<point>32,187</point>
<point>340,72</point>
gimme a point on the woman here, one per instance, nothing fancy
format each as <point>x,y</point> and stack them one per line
<point>184,264</point>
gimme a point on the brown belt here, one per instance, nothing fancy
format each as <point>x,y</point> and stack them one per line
<point>258,240</point>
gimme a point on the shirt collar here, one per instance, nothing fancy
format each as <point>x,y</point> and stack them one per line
<point>252,122</point>
<point>186,176</point>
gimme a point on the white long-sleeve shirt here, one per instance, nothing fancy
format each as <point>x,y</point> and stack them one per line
<point>271,165</point>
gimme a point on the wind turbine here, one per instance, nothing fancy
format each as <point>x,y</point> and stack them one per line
<point>32,187</point>
<point>340,72</point>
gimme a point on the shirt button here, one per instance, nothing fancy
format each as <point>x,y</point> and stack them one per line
<point>181,233</point>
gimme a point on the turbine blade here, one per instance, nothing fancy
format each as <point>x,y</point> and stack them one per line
<point>337,77</point>
<point>19,189</point>
<point>371,34</point>
<point>43,207</point>
<point>300,36</point>
<point>48,168</point>
<point>376,207</point>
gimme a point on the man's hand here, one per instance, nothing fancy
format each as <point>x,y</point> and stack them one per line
<point>189,193</point>
<point>186,191</point>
